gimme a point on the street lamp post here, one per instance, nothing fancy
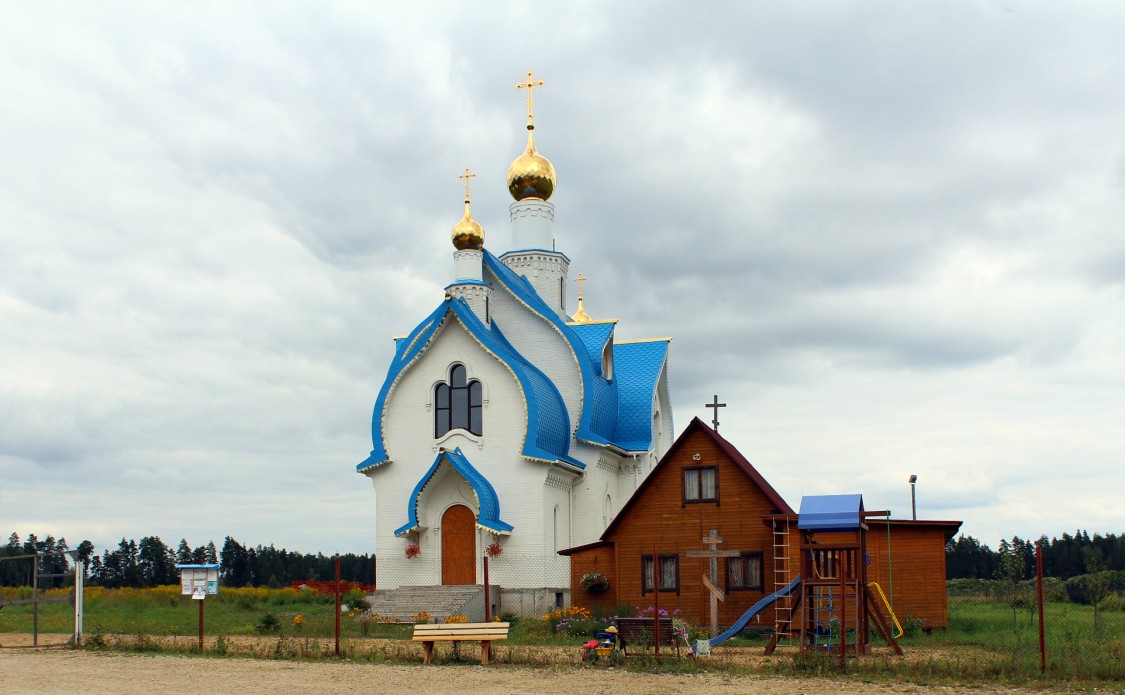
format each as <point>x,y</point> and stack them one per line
<point>913,506</point>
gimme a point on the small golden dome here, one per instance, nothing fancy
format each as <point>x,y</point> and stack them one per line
<point>531,175</point>
<point>468,234</point>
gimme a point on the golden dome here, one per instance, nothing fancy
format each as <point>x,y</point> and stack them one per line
<point>531,175</point>
<point>468,234</point>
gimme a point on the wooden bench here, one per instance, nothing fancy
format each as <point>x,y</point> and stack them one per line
<point>637,632</point>
<point>484,633</point>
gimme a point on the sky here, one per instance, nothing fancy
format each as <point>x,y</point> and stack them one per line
<point>889,236</point>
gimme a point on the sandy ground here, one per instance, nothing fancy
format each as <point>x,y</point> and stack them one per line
<point>59,670</point>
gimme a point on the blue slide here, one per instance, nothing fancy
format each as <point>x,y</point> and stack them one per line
<point>748,615</point>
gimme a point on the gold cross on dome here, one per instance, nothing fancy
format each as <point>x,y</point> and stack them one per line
<point>579,280</point>
<point>531,84</point>
<point>466,176</point>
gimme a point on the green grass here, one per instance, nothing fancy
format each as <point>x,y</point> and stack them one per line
<point>985,641</point>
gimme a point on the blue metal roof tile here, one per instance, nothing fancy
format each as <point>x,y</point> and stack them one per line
<point>637,368</point>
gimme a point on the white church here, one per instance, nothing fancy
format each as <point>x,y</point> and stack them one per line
<point>505,422</point>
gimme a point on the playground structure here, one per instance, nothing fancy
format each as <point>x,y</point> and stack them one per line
<point>837,606</point>
<point>830,606</point>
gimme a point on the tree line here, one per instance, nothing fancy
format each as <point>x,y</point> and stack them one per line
<point>1063,557</point>
<point>150,562</point>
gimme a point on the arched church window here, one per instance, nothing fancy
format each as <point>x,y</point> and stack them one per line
<point>607,359</point>
<point>458,404</point>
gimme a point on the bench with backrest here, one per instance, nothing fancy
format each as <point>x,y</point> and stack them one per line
<point>637,632</point>
<point>484,633</point>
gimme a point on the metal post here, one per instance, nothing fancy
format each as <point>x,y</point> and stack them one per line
<point>79,591</point>
<point>1039,589</point>
<point>34,596</point>
<point>337,605</point>
<point>843,614</point>
<point>487,593</point>
<point>201,625</point>
<point>913,505</point>
<point>656,601</point>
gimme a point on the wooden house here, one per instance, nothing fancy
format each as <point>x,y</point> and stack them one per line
<point>702,488</point>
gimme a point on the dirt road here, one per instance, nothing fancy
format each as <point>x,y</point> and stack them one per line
<point>25,671</point>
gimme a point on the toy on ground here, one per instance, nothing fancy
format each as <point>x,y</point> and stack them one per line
<point>606,647</point>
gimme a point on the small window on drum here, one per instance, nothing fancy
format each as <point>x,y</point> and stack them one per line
<point>458,404</point>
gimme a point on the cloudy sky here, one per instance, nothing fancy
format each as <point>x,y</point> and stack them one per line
<point>890,236</point>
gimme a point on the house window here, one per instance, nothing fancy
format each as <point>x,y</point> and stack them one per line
<point>701,484</point>
<point>744,572</point>
<point>457,404</point>
<point>669,573</point>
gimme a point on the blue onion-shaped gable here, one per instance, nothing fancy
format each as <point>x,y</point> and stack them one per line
<point>590,429</point>
<point>488,504</point>
<point>548,422</point>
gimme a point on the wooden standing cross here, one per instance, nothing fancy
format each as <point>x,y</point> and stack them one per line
<point>712,583</point>
<point>715,405</point>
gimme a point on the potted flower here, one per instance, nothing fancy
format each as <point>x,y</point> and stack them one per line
<point>413,551</point>
<point>493,549</point>
<point>594,583</point>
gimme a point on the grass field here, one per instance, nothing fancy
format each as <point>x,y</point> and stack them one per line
<point>985,639</point>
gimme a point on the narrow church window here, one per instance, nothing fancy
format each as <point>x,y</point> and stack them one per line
<point>701,484</point>
<point>669,573</point>
<point>458,404</point>
<point>744,572</point>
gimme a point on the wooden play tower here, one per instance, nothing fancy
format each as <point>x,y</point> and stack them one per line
<point>837,606</point>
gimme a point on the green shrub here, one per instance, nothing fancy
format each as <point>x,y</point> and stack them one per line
<point>269,625</point>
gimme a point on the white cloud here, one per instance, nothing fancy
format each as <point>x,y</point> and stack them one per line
<point>887,236</point>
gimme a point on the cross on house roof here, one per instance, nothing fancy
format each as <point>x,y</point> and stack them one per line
<point>715,405</point>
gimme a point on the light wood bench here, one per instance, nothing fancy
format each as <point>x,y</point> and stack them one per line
<point>484,633</point>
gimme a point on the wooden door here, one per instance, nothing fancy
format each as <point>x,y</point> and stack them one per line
<point>458,546</point>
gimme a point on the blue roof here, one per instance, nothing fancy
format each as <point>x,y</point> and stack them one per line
<point>548,423</point>
<point>525,292</point>
<point>488,516</point>
<point>830,512</point>
<point>207,566</point>
<point>613,412</point>
<point>594,337</point>
<point>637,368</point>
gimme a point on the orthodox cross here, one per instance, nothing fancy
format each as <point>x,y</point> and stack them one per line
<point>580,279</point>
<point>715,405</point>
<point>530,85</point>
<point>466,176</point>
<point>713,539</point>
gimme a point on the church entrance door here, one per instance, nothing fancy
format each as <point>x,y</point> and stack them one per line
<point>458,546</point>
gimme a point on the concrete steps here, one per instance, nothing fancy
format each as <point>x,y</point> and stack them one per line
<point>403,603</point>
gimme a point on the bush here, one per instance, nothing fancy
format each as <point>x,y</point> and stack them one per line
<point>357,600</point>
<point>268,625</point>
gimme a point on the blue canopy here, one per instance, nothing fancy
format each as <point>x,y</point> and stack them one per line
<point>830,512</point>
